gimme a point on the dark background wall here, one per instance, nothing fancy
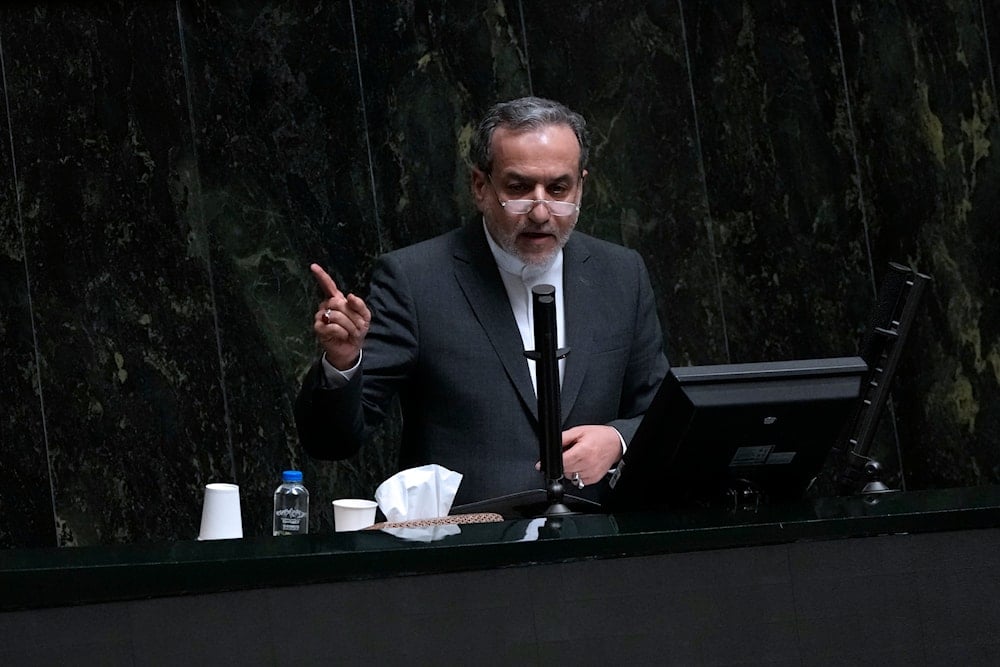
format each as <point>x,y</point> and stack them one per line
<point>168,171</point>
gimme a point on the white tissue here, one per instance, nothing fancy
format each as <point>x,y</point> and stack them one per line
<point>425,492</point>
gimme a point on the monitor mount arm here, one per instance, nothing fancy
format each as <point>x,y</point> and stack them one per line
<point>881,349</point>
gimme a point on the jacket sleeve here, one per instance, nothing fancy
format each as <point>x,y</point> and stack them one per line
<point>335,423</point>
<point>330,422</point>
<point>647,364</point>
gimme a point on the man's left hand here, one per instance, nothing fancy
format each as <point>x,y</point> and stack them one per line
<point>591,451</point>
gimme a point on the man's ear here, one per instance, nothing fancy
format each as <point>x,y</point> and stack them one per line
<point>479,186</point>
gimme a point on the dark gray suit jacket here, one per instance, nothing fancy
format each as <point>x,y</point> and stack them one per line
<point>444,339</point>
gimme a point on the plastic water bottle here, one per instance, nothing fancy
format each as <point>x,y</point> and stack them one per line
<point>291,505</point>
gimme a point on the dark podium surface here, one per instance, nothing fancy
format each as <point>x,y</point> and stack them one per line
<point>789,584</point>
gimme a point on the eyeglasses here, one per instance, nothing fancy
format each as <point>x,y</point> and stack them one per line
<point>522,206</point>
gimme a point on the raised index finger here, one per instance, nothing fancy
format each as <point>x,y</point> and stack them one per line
<point>325,281</point>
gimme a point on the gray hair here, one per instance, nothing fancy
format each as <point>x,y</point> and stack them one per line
<point>525,113</point>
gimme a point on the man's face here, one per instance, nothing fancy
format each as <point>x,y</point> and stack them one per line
<point>531,164</point>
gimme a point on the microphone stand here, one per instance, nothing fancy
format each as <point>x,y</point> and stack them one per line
<point>546,358</point>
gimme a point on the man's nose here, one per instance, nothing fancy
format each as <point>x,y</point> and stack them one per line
<point>540,212</point>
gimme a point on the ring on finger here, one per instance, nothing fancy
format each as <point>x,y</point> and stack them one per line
<point>326,315</point>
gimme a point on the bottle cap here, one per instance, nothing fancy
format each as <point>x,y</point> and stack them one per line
<point>291,476</point>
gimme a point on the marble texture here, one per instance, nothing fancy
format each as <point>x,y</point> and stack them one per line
<point>170,169</point>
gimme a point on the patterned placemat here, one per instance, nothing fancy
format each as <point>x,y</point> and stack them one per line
<point>479,517</point>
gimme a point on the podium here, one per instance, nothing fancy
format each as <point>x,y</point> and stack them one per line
<point>904,578</point>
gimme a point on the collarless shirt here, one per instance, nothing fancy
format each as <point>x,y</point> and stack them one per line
<point>519,278</point>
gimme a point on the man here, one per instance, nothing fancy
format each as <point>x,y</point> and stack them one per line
<point>448,320</point>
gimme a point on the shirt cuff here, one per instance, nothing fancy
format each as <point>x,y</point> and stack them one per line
<point>334,378</point>
<point>624,449</point>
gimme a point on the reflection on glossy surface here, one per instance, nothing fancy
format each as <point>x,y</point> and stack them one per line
<point>52,577</point>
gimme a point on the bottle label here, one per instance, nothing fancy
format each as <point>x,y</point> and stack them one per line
<point>291,519</point>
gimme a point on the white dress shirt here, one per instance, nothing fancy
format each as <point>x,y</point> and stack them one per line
<point>519,278</point>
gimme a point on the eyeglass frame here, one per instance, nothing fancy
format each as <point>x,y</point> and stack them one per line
<point>534,202</point>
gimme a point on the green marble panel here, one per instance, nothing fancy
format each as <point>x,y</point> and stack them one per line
<point>777,150</point>
<point>926,117</point>
<point>623,65</point>
<point>428,70</point>
<point>121,300</point>
<point>181,164</point>
<point>285,181</point>
<point>25,498</point>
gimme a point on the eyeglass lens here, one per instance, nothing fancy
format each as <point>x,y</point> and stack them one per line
<point>521,206</point>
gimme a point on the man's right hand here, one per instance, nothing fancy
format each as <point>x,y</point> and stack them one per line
<point>341,322</point>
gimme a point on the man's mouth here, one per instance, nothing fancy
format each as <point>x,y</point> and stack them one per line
<point>535,234</point>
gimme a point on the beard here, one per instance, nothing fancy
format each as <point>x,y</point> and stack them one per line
<point>506,238</point>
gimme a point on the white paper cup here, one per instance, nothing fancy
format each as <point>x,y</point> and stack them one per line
<point>220,514</point>
<point>353,514</point>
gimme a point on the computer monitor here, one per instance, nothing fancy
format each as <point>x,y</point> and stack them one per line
<point>715,432</point>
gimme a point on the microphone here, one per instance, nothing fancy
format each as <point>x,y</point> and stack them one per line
<point>546,357</point>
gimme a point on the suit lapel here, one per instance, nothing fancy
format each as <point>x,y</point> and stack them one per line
<point>580,286</point>
<point>479,279</point>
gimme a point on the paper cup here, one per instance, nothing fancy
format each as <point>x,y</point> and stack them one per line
<point>353,514</point>
<point>220,514</point>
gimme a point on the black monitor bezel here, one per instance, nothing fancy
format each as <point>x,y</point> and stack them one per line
<point>679,457</point>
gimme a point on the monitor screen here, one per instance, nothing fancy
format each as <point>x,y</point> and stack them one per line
<point>763,429</point>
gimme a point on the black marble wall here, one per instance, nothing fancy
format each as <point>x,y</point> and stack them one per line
<point>168,171</point>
